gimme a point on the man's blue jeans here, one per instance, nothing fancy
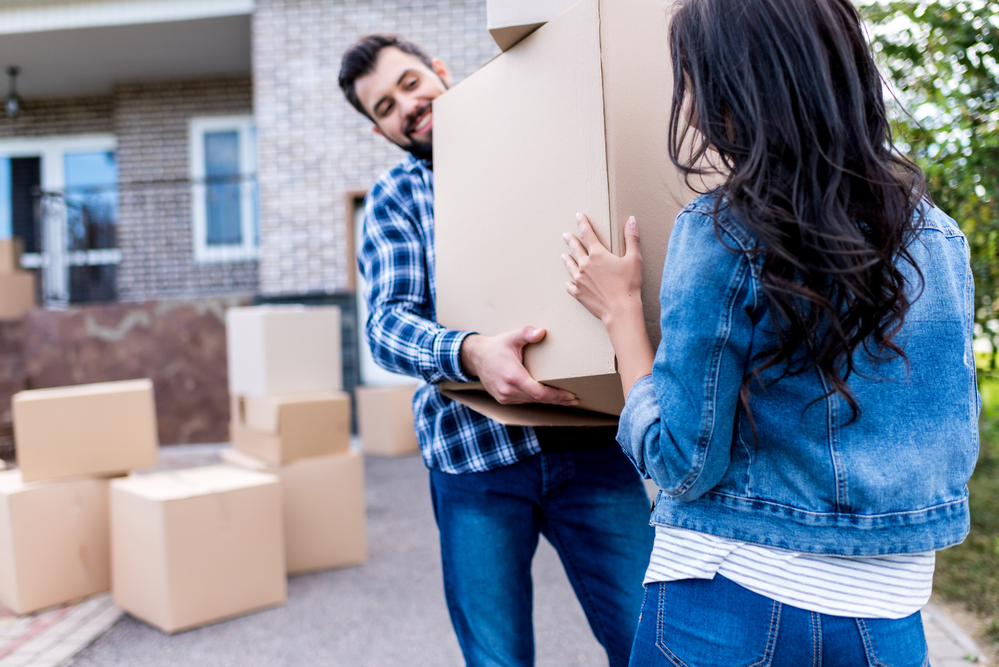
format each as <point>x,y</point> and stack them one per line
<point>591,506</point>
<point>717,623</point>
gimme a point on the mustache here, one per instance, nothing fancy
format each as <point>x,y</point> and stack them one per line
<point>411,123</point>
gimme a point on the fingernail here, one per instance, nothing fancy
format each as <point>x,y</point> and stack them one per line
<point>537,332</point>
<point>563,257</point>
<point>632,223</point>
<point>565,237</point>
<point>579,217</point>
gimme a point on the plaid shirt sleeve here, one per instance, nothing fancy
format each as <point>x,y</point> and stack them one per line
<point>401,328</point>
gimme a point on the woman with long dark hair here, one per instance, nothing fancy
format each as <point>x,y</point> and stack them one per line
<point>810,415</point>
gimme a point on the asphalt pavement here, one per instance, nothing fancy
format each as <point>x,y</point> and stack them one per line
<point>390,611</point>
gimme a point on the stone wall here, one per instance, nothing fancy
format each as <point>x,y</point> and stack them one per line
<point>314,148</point>
<point>180,345</point>
<point>154,229</point>
<point>12,379</point>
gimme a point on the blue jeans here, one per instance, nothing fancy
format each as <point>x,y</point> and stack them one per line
<point>590,505</point>
<point>717,623</point>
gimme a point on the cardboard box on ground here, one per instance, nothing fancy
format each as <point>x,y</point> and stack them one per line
<point>54,541</point>
<point>577,116</point>
<point>94,429</point>
<point>323,508</point>
<point>275,350</point>
<point>17,287</point>
<point>385,420</point>
<point>195,546</point>
<point>282,429</point>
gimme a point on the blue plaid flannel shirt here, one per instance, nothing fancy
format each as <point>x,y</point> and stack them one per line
<point>397,260</point>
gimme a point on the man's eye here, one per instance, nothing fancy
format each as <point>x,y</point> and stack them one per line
<point>385,109</point>
<point>412,83</point>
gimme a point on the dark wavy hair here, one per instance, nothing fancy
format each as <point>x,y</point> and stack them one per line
<point>785,94</point>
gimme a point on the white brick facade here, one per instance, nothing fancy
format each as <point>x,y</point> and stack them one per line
<point>154,228</point>
<point>314,148</point>
<point>61,117</point>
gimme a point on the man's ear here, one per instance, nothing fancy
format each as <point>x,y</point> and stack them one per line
<point>377,130</point>
<point>442,71</point>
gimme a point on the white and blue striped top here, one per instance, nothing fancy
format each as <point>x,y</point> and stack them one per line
<point>861,587</point>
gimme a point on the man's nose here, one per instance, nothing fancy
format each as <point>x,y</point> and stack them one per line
<point>408,105</point>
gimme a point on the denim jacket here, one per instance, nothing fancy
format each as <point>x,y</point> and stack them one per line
<point>893,481</point>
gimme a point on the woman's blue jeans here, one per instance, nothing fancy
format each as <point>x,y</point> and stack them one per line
<point>717,623</point>
<point>591,506</point>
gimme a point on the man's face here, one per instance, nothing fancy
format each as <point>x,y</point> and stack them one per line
<point>397,95</point>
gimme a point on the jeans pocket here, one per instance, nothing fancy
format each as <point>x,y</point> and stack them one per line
<point>701,623</point>
<point>894,642</point>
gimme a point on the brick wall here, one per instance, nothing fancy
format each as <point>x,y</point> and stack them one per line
<point>151,123</point>
<point>44,118</point>
<point>313,147</point>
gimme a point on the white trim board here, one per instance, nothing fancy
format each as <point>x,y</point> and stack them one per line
<point>39,17</point>
<point>197,127</point>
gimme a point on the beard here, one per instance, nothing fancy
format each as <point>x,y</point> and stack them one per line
<point>423,150</point>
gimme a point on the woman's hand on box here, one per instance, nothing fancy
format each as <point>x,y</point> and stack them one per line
<point>610,287</point>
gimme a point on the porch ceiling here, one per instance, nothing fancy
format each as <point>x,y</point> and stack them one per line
<point>89,61</point>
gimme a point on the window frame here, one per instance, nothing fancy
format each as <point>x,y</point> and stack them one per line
<point>248,248</point>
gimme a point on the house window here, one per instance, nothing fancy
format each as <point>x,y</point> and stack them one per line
<point>223,170</point>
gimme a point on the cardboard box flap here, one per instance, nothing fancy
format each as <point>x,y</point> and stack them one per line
<point>531,414</point>
<point>84,390</point>
<point>11,482</point>
<point>237,458</point>
<point>264,412</point>
<point>510,21</point>
<point>180,484</point>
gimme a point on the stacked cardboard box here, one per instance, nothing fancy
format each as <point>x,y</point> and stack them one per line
<point>385,420</point>
<point>195,546</point>
<point>54,521</point>
<point>289,418</point>
<point>577,113</point>
<point>323,502</point>
<point>17,287</point>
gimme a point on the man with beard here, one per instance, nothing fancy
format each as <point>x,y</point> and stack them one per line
<point>494,488</point>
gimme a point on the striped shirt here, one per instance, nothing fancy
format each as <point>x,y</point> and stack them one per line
<point>860,587</point>
<point>397,260</point>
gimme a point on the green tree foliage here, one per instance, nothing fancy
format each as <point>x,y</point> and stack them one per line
<point>941,58</point>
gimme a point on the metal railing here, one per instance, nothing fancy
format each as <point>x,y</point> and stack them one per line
<point>77,229</point>
<point>78,240</point>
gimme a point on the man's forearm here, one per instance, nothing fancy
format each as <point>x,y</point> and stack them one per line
<point>405,343</point>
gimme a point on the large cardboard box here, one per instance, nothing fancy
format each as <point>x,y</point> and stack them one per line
<point>283,350</point>
<point>54,541</point>
<point>90,429</point>
<point>577,116</point>
<point>195,546</point>
<point>385,420</point>
<point>282,429</point>
<point>11,250</point>
<point>324,516</point>
<point>510,21</point>
<point>17,294</point>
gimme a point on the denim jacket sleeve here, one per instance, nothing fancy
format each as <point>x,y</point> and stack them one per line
<point>677,425</point>
<point>401,330</point>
